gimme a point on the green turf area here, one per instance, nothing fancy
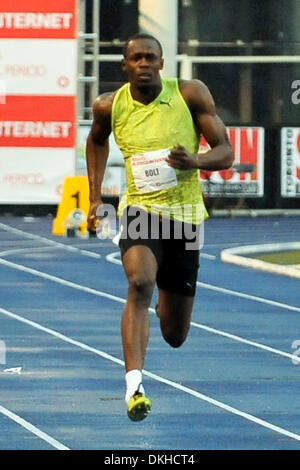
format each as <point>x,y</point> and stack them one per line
<point>282,257</point>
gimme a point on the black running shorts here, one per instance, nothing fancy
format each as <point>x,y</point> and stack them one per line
<point>174,244</point>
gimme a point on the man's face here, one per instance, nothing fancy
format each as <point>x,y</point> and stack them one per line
<point>143,62</point>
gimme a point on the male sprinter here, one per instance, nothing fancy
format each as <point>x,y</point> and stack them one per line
<point>157,123</point>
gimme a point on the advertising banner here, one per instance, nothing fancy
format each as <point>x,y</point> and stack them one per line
<point>38,73</point>
<point>290,162</point>
<point>39,19</point>
<point>22,180</point>
<point>37,121</point>
<point>246,178</point>
<point>38,67</point>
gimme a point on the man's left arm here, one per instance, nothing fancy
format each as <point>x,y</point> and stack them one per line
<point>209,124</point>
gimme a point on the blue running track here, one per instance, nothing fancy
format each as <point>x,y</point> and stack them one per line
<point>234,384</point>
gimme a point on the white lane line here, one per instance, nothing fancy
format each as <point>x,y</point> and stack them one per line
<point>17,251</point>
<point>238,256</point>
<point>274,303</point>
<point>207,256</point>
<point>60,280</point>
<point>58,335</point>
<point>63,246</point>
<point>98,293</point>
<point>33,429</point>
<point>225,407</point>
<point>246,341</point>
<point>114,258</point>
<point>156,377</point>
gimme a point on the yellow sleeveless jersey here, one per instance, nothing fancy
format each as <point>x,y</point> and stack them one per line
<point>145,134</point>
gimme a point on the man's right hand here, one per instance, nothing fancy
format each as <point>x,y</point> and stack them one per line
<point>93,220</point>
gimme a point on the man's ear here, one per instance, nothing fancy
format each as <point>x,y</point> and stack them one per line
<point>161,63</point>
<point>123,64</point>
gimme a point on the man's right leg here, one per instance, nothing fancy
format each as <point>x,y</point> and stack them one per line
<point>140,266</point>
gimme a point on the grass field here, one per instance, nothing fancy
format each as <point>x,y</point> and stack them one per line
<point>282,257</point>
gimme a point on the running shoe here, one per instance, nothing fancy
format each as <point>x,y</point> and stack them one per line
<point>139,406</point>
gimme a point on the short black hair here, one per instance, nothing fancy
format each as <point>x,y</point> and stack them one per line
<point>142,36</point>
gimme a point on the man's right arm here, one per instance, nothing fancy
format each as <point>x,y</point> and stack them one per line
<point>97,150</point>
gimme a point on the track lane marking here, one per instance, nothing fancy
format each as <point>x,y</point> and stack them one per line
<point>63,246</point>
<point>33,429</point>
<point>156,377</point>
<point>224,290</point>
<point>113,258</point>
<point>98,293</point>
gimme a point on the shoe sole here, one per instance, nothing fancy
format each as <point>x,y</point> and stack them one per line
<point>139,411</point>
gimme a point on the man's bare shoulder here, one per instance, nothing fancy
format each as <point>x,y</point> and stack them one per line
<point>196,94</point>
<point>103,104</point>
<point>192,85</point>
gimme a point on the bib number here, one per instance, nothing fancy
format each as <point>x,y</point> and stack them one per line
<point>151,172</point>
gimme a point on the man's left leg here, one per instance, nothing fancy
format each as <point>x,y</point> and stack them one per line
<point>174,312</point>
<point>176,280</point>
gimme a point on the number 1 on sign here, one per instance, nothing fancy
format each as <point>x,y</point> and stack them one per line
<point>77,197</point>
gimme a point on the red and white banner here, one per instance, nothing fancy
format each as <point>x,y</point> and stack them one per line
<point>290,162</point>
<point>38,19</point>
<point>248,148</point>
<point>38,70</point>
<point>37,121</point>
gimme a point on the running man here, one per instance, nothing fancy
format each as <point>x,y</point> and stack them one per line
<point>157,123</point>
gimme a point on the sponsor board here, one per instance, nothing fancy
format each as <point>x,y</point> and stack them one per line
<point>38,19</point>
<point>31,66</point>
<point>34,175</point>
<point>248,148</point>
<point>38,69</point>
<point>290,162</point>
<point>37,121</point>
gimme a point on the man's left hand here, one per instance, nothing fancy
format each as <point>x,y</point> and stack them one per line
<point>181,159</point>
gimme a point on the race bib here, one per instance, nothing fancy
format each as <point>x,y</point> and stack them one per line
<point>151,172</point>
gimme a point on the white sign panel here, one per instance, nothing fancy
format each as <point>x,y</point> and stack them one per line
<point>38,66</point>
<point>34,175</point>
<point>290,162</point>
